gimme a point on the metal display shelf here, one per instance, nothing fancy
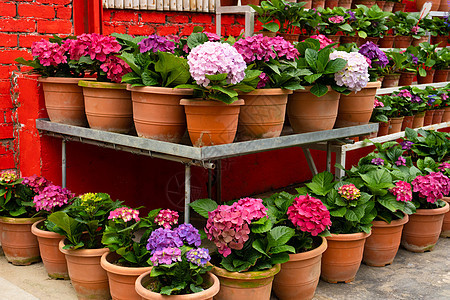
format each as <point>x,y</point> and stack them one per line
<point>189,155</point>
<point>341,149</point>
<point>383,91</point>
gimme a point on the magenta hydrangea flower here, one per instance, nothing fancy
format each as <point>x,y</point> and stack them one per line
<point>432,187</point>
<point>402,191</point>
<point>336,19</point>
<point>166,256</point>
<point>263,80</point>
<point>156,43</point>
<point>349,191</point>
<point>189,234</point>
<point>36,183</point>
<point>401,161</point>
<point>355,75</point>
<point>309,214</point>
<point>52,196</point>
<point>115,68</point>
<point>212,58</point>
<point>377,161</point>
<point>9,176</point>
<point>443,166</point>
<point>199,257</point>
<point>48,53</point>
<point>323,40</point>
<point>95,45</point>
<point>212,37</point>
<point>163,238</point>
<point>124,213</point>
<point>228,225</point>
<point>166,218</point>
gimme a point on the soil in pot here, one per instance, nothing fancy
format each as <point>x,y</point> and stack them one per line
<point>391,80</point>
<point>396,125</point>
<point>20,246</point>
<point>418,120</point>
<point>428,119</point>
<point>407,122</point>
<point>53,259</point>
<point>245,285</point>
<point>422,231</point>
<point>309,113</point>
<point>406,78</point>
<point>383,128</point>
<point>427,79</point>
<point>382,245</point>
<point>299,276</point>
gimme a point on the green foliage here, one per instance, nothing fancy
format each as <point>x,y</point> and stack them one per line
<point>370,22</point>
<point>16,199</point>
<point>429,143</point>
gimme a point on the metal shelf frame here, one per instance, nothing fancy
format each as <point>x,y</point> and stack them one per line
<point>206,157</point>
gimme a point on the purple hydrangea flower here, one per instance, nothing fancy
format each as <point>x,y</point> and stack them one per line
<point>156,43</point>
<point>371,51</point>
<point>189,234</point>
<point>406,145</point>
<point>166,256</point>
<point>378,161</point>
<point>199,257</point>
<point>401,161</point>
<point>163,238</point>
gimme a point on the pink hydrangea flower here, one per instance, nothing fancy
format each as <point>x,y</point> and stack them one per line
<point>8,176</point>
<point>349,192</point>
<point>95,45</point>
<point>377,103</point>
<point>404,94</point>
<point>36,183</point>
<point>263,79</point>
<point>115,68</point>
<point>355,75</point>
<point>336,19</point>
<point>323,40</point>
<point>401,161</point>
<point>443,166</point>
<point>309,214</point>
<point>49,54</point>
<point>432,187</point>
<point>212,37</point>
<point>402,190</point>
<point>125,213</point>
<point>166,218</point>
<point>52,196</point>
<point>212,58</point>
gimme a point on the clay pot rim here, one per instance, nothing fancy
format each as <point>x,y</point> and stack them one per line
<point>159,90</point>
<point>348,236</point>
<point>269,92</point>
<point>201,102</point>
<point>62,79</point>
<point>102,85</point>
<point>12,220</point>
<point>398,118</point>
<point>44,233</point>
<point>253,275</point>
<point>393,223</point>
<point>308,88</point>
<point>433,211</point>
<point>105,262</point>
<point>81,251</point>
<point>372,84</point>
<point>420,114</point>
<point>209,293</point>
<point>409,73</point>
<point>394,75</point>
<point>311,253</point>
<point>403,37</point>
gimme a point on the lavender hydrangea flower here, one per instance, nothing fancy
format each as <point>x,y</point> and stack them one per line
<point>163,238</point>
<point>156,43</point>
<point>189,234</point>
<point>199,257</point>
<point>406,145</point>
<point>378,161</point>
<point>355,75</point>
<point>371,51</point>
<point>166,256</point>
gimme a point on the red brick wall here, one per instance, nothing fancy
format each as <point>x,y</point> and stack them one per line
<point>21,23</point>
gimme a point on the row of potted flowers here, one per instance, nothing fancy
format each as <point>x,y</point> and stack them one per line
<point>252,236</point>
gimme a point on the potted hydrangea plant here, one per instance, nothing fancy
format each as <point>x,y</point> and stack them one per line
<point>300,275</point>
<point>250,246</point>
<point>180,267</point>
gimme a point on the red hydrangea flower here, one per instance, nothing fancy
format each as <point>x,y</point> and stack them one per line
<point>309,214</point>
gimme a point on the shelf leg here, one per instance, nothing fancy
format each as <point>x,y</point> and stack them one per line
<point>249,24</point>
<point>310,161</point>
<point>340,159</point>
<point>328,157</point>
<point>63,162</point>
<point>219,181</point>
<point>218,24</point>
<point>187,192</point>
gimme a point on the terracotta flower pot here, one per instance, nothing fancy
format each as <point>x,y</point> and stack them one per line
<point>308,4</point>
<point>407,122</point>
<point>406,78</point>
<point>211,122</point>
<point>334,38</point>
<point>399,7</point>
<point>356,108</point>
<point>382,245</point>
<point>386,42</point>
<point>245,285</point>
<point>448,76</point>
<point>318,3</point>
<point>143,281</point>
<point>290,37</point>
<point>346,39</point>
<point>20,246</point>
<point>88,278</point>
<point>418,120</point>
<point>434,7</point>
<point>368,3</point>
<point>383,128</point>
<point>299,276</point>
<point>402,41</point>
<point>228,2</point>
<point>341,260</point>
<point>157,112</point>
<point>64,100</point>
<point>444,6</point>
<point>440,39</point>
<point>108,106</point>
<point>391,80</point>
<point>303,37</point>
<point>263,114</point>
<point>381,4</point>
<point>388,6</point>
<point>428,119</point>
<point>416,42</point>
<point>331,3</point>
<point>422,231</point>
<point>445,232</point>
<point>309,113</point>
<point>396,125</point>
<point>437,116</point>
<point>440,75</point>
<point>372,39</point>
<point>247,2</point>
<point>121,279</point>
<point>446,115</point>
<point>266,33</point>
<point>427,79</point>
<point>53,259</point>
<point>347,4</point>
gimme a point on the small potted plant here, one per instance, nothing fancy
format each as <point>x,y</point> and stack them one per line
<point>428,143</point>
<point>409,69</point>
<point>250,246</point>
<point>370,23</point>
<point>180,267</point>
<point>426,56</point>
<point>405,26</point>
<point>380,115</point>
<point>333,21</point>
<point>391,71</point>
<point>442,65</point>
<point>82,224</point>
<point>438,28</point>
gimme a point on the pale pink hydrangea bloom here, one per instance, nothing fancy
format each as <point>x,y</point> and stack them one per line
<point>355,75</point>
<point>402,190</point>
<point>166,218</point>
<point>309,214</point>
<point>124,213</point>
<point>349,191</point>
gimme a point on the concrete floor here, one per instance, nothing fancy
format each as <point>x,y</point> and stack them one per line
<point>412,276</point>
